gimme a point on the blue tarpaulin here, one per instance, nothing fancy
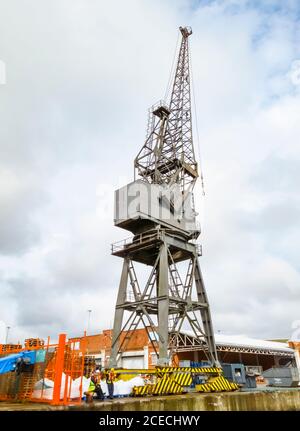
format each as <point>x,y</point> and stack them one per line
<point>8,363</point>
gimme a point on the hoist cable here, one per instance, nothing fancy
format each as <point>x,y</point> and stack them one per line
<point>171,71</point>
<point>196,124</point>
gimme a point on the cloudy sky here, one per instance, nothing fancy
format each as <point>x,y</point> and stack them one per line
<point>80,77</point>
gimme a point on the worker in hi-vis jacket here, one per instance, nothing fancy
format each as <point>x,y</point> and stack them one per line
<point>110,379</point>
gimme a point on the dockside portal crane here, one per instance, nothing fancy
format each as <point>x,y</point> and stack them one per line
<point>158,209</point>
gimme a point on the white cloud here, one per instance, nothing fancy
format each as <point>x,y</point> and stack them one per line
<point>294,73</point>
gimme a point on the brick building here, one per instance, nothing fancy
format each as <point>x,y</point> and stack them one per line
<point>139,352</point>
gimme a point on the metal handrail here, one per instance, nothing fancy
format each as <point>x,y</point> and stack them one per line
<point>142,238</point>
<point>139,239</point>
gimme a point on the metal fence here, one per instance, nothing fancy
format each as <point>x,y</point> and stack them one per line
<point>56,376</point>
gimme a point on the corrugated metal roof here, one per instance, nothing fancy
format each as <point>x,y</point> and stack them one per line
<point>244,341</point>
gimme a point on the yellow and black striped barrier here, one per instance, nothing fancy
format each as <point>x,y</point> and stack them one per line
<point>217,384</point>
<point>164,386</point>
<point>174,380</point>
<point>163,370</point>
<point>139,391</point>
<point>167,385</point>
<point>204,370</point>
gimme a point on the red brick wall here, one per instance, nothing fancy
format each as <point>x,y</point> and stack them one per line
<point>138,340</point>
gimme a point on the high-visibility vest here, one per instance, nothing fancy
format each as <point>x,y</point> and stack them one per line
<point>91,387</point>
<point>111,377</point>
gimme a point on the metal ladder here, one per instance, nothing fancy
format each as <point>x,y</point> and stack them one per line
<point>188,280</point>
<point>134,283</point>
<point>132,327</point>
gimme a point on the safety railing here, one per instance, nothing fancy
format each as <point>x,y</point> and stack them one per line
<point>142,239</point>
<point>133,241</point>
<point>199,249</point>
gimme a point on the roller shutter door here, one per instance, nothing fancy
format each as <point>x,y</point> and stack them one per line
<point>133,362</point>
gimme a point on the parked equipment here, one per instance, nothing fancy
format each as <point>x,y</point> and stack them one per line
<point>235,373</point>
<point>282,377</point>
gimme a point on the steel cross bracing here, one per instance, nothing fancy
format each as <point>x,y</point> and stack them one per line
<point>167,300</point>
<point>164,295</point>
<point>168,156</point>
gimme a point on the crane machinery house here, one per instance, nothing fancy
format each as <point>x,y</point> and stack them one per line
<point>155,204</point>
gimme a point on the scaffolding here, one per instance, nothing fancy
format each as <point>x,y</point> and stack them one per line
<point>50,379</point>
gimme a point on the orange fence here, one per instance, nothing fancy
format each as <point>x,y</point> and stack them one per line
<point>55,378</point>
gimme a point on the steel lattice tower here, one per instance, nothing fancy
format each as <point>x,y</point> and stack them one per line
<point>158,209</point>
